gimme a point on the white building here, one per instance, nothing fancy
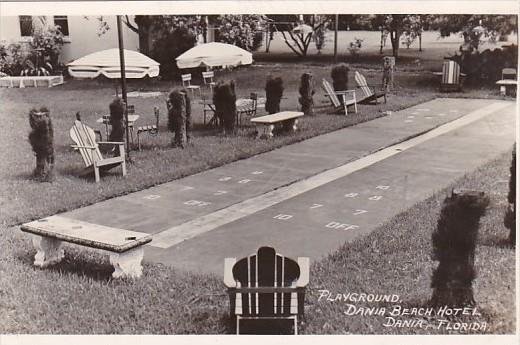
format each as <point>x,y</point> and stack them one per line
<point>83,34</point>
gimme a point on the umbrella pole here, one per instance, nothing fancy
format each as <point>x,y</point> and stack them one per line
<point>123,82</point>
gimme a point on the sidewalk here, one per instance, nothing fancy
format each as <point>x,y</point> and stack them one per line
<point>181,204</point>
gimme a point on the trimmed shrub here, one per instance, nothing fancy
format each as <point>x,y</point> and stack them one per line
<point>224,98</point>
<point>117,120</point>
<point>339,75</point>
<point>306,92</point>
<point>510,216</point>
<point>41,139</point>
<point>454,243</point>
<point>179,109</point>
<point>273,94</point>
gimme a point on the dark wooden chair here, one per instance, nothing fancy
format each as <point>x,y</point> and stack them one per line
<point>266,285</point>
<point>451,77</point>
<point>150,129</point>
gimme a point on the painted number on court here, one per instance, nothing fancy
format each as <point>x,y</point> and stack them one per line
<point>257,172</point>
<point>244,181</point>
<point>196,203</point>
<point>283,216</point>
<point>375,197</point>
<point>316,206</point>
<point>152,197</point>
<point>341,226</point>
<point>351,195</point>
<point>358,212</point>
<point>223,179</point>
<point>382,187</point>
<point>220,192</point>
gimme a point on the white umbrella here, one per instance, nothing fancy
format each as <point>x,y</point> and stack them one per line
<point>107,63</point>
<point>214,54</point>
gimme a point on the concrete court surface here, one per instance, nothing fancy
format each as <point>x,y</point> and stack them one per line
<point>308,198</point>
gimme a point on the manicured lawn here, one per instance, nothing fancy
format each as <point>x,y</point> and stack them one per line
<point>166,301</point>
<point>78,297</point>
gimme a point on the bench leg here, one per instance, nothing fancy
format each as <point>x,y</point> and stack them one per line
<point>48,251</point>
<point>290,125</point>
<point>264,130</point>
<point>127,264</point>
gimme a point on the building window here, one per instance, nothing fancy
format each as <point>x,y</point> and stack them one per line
<point>63,23</point>
<point>26,27</point>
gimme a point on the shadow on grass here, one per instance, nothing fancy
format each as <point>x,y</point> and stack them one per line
<point>73,263</point>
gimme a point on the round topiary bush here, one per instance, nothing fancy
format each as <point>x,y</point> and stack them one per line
<point>273,94</point>
<point>454,243</point>
<point>41,139</point>
<point>339,75</point>
<point>117,120</point>
<point>306,92</point>
<point>177,114</point>
<point>224,98</point>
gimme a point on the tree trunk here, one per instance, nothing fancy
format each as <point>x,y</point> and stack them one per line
<point>394,38</point>
<point>145,40</point>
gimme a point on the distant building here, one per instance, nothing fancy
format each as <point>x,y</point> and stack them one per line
<point>83,34</point>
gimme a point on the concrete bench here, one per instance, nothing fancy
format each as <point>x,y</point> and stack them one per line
<point>125,248</point>
<point>35,81</point>
<point>265,124</point>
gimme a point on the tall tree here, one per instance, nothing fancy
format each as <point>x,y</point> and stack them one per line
<point>244,31</point>
<point>474,28</point>
<point>396,25</point>
<point>298,31</point>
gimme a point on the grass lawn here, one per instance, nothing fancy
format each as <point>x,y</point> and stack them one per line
<point>165,301</point>
<point>394,259</point>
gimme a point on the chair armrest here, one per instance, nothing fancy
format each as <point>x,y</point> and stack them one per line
<point>111,142</point>
<point>83,147</point>
<point>229,281</point>
<point>343,92</point>
<point>303,262</point>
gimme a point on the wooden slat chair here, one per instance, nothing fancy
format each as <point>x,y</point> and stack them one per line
<point>334,100</point>
<point>186,83</point>
<point>85,140</point>
<point>508,74</point>
<point>207,77</point>
<point>266,285</point>
<point>369,94</point>
<point>451,78</point>
<point>150,129</point>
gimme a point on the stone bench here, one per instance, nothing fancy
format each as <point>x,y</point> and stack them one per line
<point>125,247</point>
<point>265,124</point>
<point>35,81</point>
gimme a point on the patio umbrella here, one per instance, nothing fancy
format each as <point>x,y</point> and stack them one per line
<point>214,54</point>
<point>106,62</point>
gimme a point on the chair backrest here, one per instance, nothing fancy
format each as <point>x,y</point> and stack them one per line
<point>83,135</point>
<point>330,92</point>
<point>186,79</point>
<point>509,73</point>
<point>208,77</point>
<point>450,72</point>
<point>106,119</point>
<point>131,109</point>
<point>266,268</point>
<point>362,84</point>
